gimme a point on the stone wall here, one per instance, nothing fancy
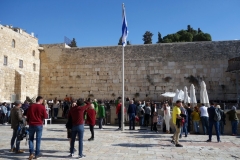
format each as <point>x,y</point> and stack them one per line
<point>150,70</point>
<point>14,80</point>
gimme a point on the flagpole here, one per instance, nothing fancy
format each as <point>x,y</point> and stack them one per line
<point>123,106</point>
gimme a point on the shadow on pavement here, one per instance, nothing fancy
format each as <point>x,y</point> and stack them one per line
<point>55,139</point>
<point>141,145</point>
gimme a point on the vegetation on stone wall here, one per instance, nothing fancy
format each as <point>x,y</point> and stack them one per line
<point>90,96</point>
<point>193,80</point>
<point>136,95</point>
<point>149,80</point>
<point>167,79</point>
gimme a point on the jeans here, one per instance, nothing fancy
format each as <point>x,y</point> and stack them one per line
<point>55,112</point>
<point>184,129</point>
<point>196,126</point>
<point>221,127</point>
<point>131,121</point>
<point>119,120</point>
<point>100,121</point>
<point>141,121</point>
<point>234,127</point>
<point>14,137</point>
<point>216,125</point>
<point>205,124</point>
<point>176,134</point>
<point>32,131</point>
<point>79,129</point>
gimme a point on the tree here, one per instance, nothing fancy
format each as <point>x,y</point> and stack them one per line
<point>188,35</point>
<point>120,41</point>
<point>147,37</point>
<point>73,43</point>
<point>202,37</point>
<point>159,38</point>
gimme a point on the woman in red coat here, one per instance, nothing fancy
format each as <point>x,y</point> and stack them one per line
<point>91,118</point>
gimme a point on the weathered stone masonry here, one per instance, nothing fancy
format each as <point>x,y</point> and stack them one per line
<point>14,80</point>
<point>149,70</point>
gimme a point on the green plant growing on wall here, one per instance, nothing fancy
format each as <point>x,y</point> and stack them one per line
<point>90,96</point>
<point>193,80</point>
<point>150,80</point>
<point>137,95</point>
<point>113,95</point>
<point>167,79</point>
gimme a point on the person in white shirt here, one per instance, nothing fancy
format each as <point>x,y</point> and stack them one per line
<point>204,118</point>
<point>167,116</point>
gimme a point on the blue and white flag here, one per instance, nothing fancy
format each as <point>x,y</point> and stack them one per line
<point>124,27</point>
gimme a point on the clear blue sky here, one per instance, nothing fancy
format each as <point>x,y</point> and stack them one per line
<point>98,22</point>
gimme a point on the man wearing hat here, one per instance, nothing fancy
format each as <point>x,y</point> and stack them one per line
<point>16,117</point>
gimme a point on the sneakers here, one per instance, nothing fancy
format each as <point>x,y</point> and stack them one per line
<point>209,140</point>
<point>179,145</point>
<point>12,150</point>
<point>91,139</point>
<point>37,157</point>
<point>19,151</point>
<point>82,156</point>
<point>101,129</point>
<point>30,157</point>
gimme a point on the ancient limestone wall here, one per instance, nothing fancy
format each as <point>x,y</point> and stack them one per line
<point>150,70</point>
<point>15,80</point>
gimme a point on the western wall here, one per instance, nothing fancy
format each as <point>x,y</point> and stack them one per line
<point>18,80</point>
<point>150,70</point>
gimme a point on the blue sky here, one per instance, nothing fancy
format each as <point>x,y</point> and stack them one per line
<point>98,22</point>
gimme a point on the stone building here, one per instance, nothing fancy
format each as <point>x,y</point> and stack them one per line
<point>19,64</point>
<point>150,70</point>
<point>57,70</point>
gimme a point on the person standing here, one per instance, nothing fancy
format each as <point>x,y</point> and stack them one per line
<point>35,115</point>
<point>101,114</point>
<point>153,109</point>
<point>185,123</point>
<point>56,106</point>
<point>118,112</point>
<point>234,120</point>
<point>141,112</point>
<point>77,116</point>
<point>16,118</point>
<point>204,118</point>
<point>4,113</point>
<point>222,122</point>
<point>155,120</point>
<point>132,110</point>
<point>189,111</point>
<point>91,120</point>
<point>213,122</point>
<point>147,114</point>
<point>177,123</point>
<point>196,118</point>
<point>167,117</point>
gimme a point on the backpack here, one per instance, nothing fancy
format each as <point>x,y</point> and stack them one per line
<point>22,131</point>
<point>217,116</point>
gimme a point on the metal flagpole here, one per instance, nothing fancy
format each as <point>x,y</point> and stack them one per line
<point>122,109</point>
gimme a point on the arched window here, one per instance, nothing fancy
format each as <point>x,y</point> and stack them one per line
<point>13,43</point>
<point>33,53</point>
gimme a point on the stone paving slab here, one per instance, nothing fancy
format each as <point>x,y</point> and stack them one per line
<point>110,144</point>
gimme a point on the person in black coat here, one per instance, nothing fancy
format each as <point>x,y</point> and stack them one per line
<point>189,111</point>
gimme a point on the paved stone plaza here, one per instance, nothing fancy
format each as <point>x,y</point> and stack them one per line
<point>112,144</point>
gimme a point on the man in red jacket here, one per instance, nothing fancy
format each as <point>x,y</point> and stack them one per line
<point>77,115</point>
<point>35,116</point>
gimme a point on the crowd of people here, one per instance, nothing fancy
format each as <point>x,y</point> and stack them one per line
<point>86,111</point>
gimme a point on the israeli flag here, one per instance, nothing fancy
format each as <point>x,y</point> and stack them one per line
<point>124,27</point>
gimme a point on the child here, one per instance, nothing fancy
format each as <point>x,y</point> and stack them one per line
<point>91,118</point>
<point>155,120</point>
